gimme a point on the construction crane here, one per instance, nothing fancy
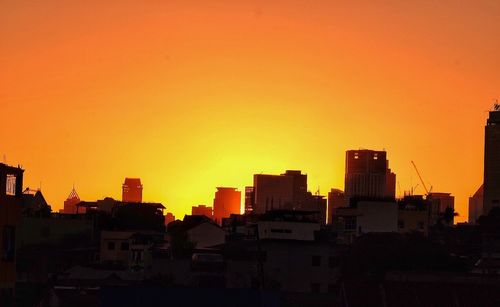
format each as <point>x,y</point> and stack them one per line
<point>427,191</point>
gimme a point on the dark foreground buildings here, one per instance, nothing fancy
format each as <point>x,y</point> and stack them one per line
<point>11,184</point>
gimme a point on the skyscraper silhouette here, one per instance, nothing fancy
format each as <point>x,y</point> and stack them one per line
<point>132,190</point>
<point>492,161</point>
<point>227,201</point>
<point>368,175</point>
<point>71,202</point>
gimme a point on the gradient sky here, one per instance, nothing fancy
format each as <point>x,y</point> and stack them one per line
<point>190,95</point>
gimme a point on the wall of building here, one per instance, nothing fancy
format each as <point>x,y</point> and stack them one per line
<point>377,216</point>
<point>476,203</point>
<point>287,230</point>
<point>206,235</point>
<point>11,184</point>
<point>35,230</point>
<point>273,192</point>
<point>492,162</point>
<point>227,201</point>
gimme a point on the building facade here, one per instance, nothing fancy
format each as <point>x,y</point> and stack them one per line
<point>227,201</point>
<point>336,199</point>
<point>71,202</point>
<point>368,175</point>
<point>249,199</point>
<point>202,210</point>
<point>287,191</point>
<point>132,190</point>
<point>476,205</point>
<point>492,161</point>
<point>11,184</point>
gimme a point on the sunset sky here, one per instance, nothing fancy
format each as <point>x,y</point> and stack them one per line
<point>190,95</point>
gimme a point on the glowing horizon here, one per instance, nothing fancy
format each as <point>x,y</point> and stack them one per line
<point>193,95</point>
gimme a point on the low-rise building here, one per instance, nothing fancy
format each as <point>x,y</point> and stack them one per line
<point>200,230</point>
<point>413,215</point>
<point>288,225</point>
<point>366,216</point>
<point>130,249</point>
<point>11,184</point>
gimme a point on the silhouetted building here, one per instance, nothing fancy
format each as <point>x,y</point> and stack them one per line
<point>227,201</point>
<point>286,191</point>
<point>71,202</point>
<point>129,249</point>
<point>368,175</point>
<point>200,230</point>
<point>440,204</point>
<point>249,199</point>
<point>366,216</point>
<point>476,205</point>
<point>492,162</point>
<point>202,210</point>
<point>35,205</point>
<point>132,190</point>
<point>169,217</point>
<point>11,185</point>
<point>414,214</point>
<point>336,199</point>
<point>288,225</point>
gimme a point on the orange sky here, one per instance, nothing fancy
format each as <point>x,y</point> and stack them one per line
<point>190,95</point>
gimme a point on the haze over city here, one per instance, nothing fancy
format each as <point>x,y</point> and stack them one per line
<point>193,95</point>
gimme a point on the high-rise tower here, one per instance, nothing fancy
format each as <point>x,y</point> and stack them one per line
<point>368,175</point>
<point>132,190</point>
<point>492,161</point>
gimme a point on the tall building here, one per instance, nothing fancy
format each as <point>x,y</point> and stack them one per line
<point>11,199</point>
<point>285,191</point>
<point>249,199</point>
<point>132,190</point>
<point>368,175</point>
<point>336,199</point>
<point>476,205</point>
<point>202,210</point>
<point>71,202</point>
<point>227,201</point>
<point>492,161</point>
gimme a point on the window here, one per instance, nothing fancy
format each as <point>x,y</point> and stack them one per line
<point>401,224</point>
<point>315,287</point>
<point>124,246</point>
<point>9,243</point>
<point>111,246</point>
<point>316,261</point>
<point>11,185</point>
<point>375,156</point>
<point>333,262</point>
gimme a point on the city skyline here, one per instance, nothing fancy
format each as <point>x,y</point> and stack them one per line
<point>190,96</point>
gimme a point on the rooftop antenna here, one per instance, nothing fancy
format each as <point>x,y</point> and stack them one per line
<point>4,159</point>
<point>496,105</point>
